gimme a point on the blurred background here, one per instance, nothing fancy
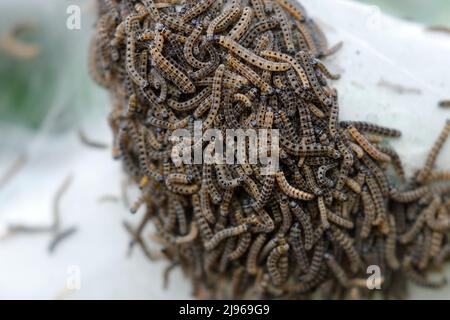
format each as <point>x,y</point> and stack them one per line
<point>436,12</point>
<point>48,175</point>
<point>46,100</point>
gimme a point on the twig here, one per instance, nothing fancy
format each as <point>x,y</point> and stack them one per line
<point>19,228</point>
<point>108,198</point>
<point>56,203</point>
<point>124,193</point>
<point>12,170</point>
<point>444,104</point>
<point>167,272</point>
<point>55,225</point>
<point>59,237</point>
<point>137,238</point>
<point>398,87</point>
<point>90,143</point>
<point>441,29</point>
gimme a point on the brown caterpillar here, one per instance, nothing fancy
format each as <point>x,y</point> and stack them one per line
<point>223,234</point>
<point>291,191</point>
<point>337,270</point>
<point>216,96</point>
<point>409,196</point>
<point>285,29</point>
<point>288,59</point>
<point>252,257</point>
<point>274,257</point>
<point>171,72</point>
<point>223,20</point>
<point>372,128</point>
<point>438,145</point>
<point>249,74</point>
<point>242,25</point>
<point>250,57</point>
<point>346,243</point>
<point>258,28</point>
<point>189,46</point>
<point>196,10</point>
<point>305,221</point>
<point>291,9</point>
<point>338,220</point>
<point>367,146</point>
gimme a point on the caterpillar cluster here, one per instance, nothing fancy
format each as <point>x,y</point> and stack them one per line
<point>338,203</point>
